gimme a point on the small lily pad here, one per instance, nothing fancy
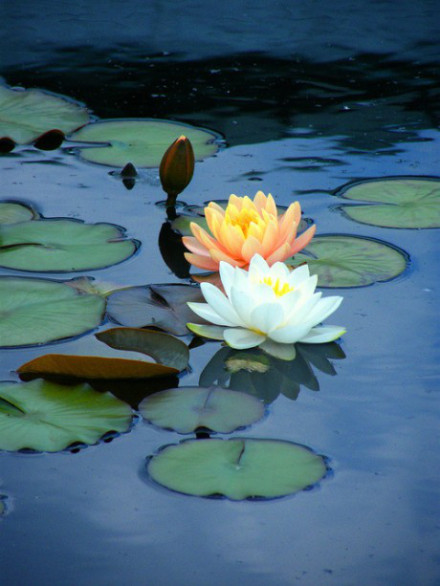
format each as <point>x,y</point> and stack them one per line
<point>141,142</point>
<point>188,408</point>
<point>351,261</point>
<point>62,245</point>
<point>395,202</point>
<point>38,311</point>
<point>27,114</point>
<point>237,468</point>
<point>12,212</point>
<point>47,417</point>
<point>161,306</point>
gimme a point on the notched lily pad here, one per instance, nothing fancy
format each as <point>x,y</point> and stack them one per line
<point>141,142</point>
<point>188,408</point>
<point>351,261</point>
<point>237,468</point>
<point>394,202</point>
<point>62,245</point>
<point>27,114</point>
<point>47,417</point>
<point>161,306</point>
<point>38,311</point>
<point>13,212</point>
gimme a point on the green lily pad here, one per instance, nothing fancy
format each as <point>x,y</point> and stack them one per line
<point>397,202</point>
<point>37,311</point>
<point>161,306</point>
<point>163,348</point>
<point>12,212</point>
<point>48,417</point>
<point>237,468</point>
<point>188,408</point>
<point>351,261</point>
<point>62,245</point>
<point>27,114</point>
<point>141,142</point>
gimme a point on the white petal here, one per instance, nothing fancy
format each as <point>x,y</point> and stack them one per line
<point>281,351</point>
<point>289,334</point>
<point>240,338</point>
<point>227,274</point>
<point>323,334</point>
<point>220,304</point>
<point>297,311</point>
<point>243,304</point>
<point>298,275</point>
<point>308,286</point>
<point>267,316</point>
<point>323,309</point>
<point>212,332</point>
<point>206,312</point>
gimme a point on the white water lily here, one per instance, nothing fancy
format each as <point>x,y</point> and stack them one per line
<point>271,307</point>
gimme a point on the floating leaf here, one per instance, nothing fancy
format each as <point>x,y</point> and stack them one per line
<point>237,468</point>
<point>351,261</point>
<point>13,212</point>
<point>141,142</point>
<point>162,306</point>
<point>37,311</point>
<point>49,417</point>
<point>27,114</point>
<point>58,245</point>
<point>163,348</point>
<point>188,408</point>
<point>397,202</point>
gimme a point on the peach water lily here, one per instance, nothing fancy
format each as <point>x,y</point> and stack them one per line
<point>271,307</point>
<point>245,228</point>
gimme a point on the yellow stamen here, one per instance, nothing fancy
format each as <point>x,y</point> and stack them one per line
<point>278,287</point>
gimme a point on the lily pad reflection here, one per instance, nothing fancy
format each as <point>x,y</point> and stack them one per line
<point>265,377</point>
<point>237,468</point>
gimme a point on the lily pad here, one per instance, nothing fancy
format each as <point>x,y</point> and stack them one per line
<point>27,114</point>
<point>188,408</point>
<point>351,261</point>
<point>38,311</point>
<point>62,245</point>
<point>163,348</point>
<point>237,468</point>
<point>161,306</point>
<point>13,212</point>
<point>396,202</point>
<point>47,417</point>
<point>141,142</point>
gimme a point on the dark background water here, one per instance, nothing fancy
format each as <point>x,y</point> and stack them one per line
<point>309,96</point>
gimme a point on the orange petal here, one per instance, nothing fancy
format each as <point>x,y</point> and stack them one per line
<point>302,241</point>
<point>260,201</point>
<point>280,254</point>
<point>271,207</point>
<point>194,245</point>
<point>218,256</point>
<point>204,238</point>
<point>232,238</point>
<point>289,221</point>
<point>201,261</point>
<point>214,219</point>
<point>250,247</point>
<point>270,238</point>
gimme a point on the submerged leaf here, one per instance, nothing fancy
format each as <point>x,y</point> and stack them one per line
<point>12,212</point>
<point>27,114</point>
<point>188,408</point>
<point>161,306</point>
<point>351,261</point>
<point>394,202</point>
<point>141,142</point>
<point>49,417</point>
<point>38,311</point>
<point>238,468</point>
<point>62,245</point>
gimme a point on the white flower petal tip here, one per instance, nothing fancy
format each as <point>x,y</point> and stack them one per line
<point>211,332</point>
<point>241,339</point>
<point>282,351</point>
<point>323,334</point>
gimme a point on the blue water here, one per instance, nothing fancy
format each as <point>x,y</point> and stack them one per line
<point>308,97</point>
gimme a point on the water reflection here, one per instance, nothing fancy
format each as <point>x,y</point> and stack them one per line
<point>263,376</point>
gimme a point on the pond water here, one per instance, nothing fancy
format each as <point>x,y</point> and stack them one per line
<point>308,98</point>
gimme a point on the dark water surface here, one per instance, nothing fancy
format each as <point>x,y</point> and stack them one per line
<point>309,96</point>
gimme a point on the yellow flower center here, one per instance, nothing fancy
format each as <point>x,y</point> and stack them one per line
<point>243,218</point>
<point>278,287</point>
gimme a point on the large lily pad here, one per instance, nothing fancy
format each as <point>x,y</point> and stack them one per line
<point>351,261</point>
<point>48,417</point>
<point>38,311</point>
<point>161,306</point>
<point>188,408</point>
<point>27,114</point>
<point>62,245</point>
<point>141,142</point>
<point>396,202</point>
<point>237,468</point>
<point>12,212</point>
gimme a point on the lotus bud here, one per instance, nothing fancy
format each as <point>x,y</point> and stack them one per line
<point>176,168</point>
